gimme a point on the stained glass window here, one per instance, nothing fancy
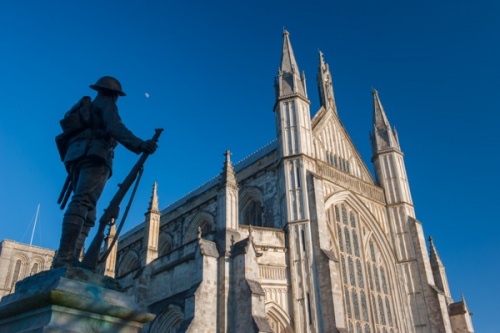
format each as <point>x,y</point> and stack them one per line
<point>360,274</point>
<point>344,270</point>
<point>364,306</point>
<point>347,241</point>
<point>353,220</point>
<point>355,304</point>
<point>370,277</point>
<point>372,250</point>
<point>355,242</point>
<point>389,314</point>
<point>375,275</point>
<point>367,304</point>
<point>351,272</point>
<point>381,310</point>
<point>374,304</point>
<point>384,283</point>
<point>341,242</point>
<point>347,302</point>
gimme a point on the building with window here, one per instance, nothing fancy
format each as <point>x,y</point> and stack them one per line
<point>298,237</point>
<point>18,261</point>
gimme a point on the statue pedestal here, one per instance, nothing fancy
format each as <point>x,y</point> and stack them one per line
<point>70,300</point>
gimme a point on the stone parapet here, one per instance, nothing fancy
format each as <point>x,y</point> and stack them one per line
<point>350,182</point>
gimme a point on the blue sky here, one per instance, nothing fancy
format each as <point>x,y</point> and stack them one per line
<point>204,72</point>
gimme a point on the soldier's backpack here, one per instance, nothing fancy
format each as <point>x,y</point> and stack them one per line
<point>77,119</point>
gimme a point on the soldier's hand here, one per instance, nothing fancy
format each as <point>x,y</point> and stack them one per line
<point>148,146</point>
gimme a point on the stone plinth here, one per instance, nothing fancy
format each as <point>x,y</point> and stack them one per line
<point>70,300</point>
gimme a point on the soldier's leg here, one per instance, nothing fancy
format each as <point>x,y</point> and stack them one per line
<point>89,179</point>
<point>87,225</point>
<point>100,173</point>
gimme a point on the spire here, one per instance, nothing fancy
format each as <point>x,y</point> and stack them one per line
<point>228,171</point>
<point>382,137</point>
<point>153,204</point>
<point>465,304</point>
<point>325,86</point>
<point>289,80</point>
<point>227,202</point>
<point>434,256</point>
<point>151,230</point>
<point>438,271</point>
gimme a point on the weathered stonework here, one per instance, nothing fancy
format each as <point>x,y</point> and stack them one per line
<point>18,261</point>
<point>298,237</point>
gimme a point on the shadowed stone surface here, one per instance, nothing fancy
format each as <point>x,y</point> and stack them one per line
<point>70,300</point>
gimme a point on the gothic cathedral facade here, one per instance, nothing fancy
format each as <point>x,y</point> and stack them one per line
<point>298,237</point>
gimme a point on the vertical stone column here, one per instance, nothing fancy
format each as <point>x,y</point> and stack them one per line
<point>200,310</point>
<point>248,295</point>
<point>151,230</point>
<point>110,263</point>
<point>330,299</point>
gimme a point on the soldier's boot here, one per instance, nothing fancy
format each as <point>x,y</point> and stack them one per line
<point>72,225</point>
<point>84,232</point>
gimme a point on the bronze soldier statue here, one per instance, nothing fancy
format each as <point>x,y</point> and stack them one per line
<point>89,159</point>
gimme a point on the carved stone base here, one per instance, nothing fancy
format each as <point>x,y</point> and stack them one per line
<point>70,300</point>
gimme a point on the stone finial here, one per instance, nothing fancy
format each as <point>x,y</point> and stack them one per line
<point>153,204</point>
<point>374,91</point>
<point>434,256</point>
<point>228,176</point>
<point>199,232</point>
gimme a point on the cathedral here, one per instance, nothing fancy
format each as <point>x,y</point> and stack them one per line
<point>298,237</point>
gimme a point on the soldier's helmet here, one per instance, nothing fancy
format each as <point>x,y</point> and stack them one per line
<point>108,83</point>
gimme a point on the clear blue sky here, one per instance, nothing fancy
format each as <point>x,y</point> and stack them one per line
<point>208,69</point>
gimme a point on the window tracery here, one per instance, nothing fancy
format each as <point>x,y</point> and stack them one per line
<point>168,321</point>
<point>252,214</point>
<point>129,263</point>
<point>367,293</point>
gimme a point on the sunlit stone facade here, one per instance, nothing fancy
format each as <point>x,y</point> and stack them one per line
<point>18,260</point>
<point>298,237</point>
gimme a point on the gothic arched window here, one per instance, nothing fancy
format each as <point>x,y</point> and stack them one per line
<point>252,213</point>
<point>16,275</point>
<point>34,269</point>
<point>168,321</point>
<point>129,263</point>
<point>202,220</point>
<point>278,319</point>
<point>165,246</point>
<point>367,293</point>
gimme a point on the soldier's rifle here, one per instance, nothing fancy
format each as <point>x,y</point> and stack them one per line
<point>111,213</point>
